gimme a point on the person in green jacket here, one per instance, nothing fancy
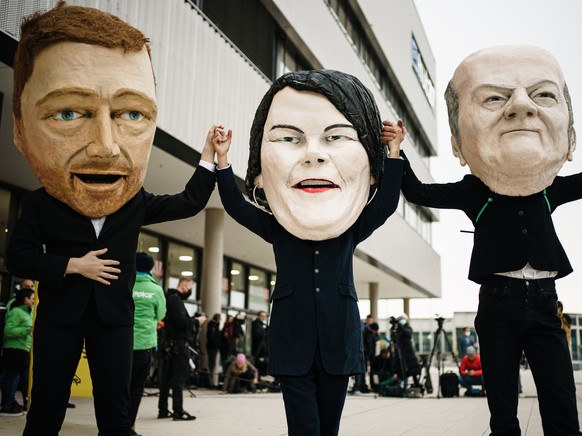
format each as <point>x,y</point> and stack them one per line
<point>16,351</point>
<point>150,308</point>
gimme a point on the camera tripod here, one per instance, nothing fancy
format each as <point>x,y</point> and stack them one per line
<point>427,382</point>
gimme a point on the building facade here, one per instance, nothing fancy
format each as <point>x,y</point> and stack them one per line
<point>214,60</point>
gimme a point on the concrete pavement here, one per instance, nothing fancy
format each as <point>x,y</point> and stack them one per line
<point>263,414</point>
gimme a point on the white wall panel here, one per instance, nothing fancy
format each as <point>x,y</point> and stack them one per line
<point>397,245</point>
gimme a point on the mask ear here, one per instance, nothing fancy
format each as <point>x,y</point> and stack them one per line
<point>259,181</point>
<point>457,151</point>
<point>572,145</point>
<point>17,131</point>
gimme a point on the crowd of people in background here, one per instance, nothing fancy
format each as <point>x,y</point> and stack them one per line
<point>167,348</point>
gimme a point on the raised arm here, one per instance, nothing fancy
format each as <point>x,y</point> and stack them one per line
<point>221,141</point>
<point>392,135</point>
<point>249,216</point>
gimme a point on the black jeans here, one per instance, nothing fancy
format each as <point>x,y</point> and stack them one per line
<point>175,370</point>
<point>516,315</point>
<point>140,368</point>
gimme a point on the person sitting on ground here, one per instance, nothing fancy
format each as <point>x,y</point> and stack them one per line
<point>471,373</point>
<point>241,376</point>
<point>382,369</point>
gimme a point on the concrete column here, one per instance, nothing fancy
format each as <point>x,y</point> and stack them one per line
<point>211,283</point>
<point>374,300</point>
<point>406,306</point>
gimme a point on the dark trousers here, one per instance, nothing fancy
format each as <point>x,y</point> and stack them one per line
<point>56,353</point>
<point>314,401</point>
<point>175,370</point>
<point>140,369</point>
<point>516,315</point>
<point>14,374</point>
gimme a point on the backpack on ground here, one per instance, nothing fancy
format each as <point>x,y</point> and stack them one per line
<point>449,382</point>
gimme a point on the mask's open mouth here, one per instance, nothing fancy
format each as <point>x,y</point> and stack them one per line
<point>99,179</point>
<point>315,185</point>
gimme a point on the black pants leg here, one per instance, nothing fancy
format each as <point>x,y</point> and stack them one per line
<point>314,402</point>
<point>180,371</point>
<point>52,377</point>
<point>516,315</point>
<point>56,353</point>
<point>140,369</point>
<point>110,353</point>
<point>164,377</point>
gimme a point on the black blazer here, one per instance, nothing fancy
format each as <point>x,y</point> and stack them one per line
<point>49,232</point>
<point>315,300</point>
<point>510,231</point>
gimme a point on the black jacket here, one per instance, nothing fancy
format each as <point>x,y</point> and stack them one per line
<point>179,325</point>
<point>213,335</point>
<point>510,231</point>
<point>315,299</point>
<point>259,346</point>
<point>49,233</point>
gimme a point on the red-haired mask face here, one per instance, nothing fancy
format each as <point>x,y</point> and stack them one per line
<point>88,123</point>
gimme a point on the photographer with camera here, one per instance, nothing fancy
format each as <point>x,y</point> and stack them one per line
<point>406,361</point>
<point>182,331</point>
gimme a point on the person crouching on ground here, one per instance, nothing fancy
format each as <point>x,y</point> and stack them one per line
<point>241,376</point>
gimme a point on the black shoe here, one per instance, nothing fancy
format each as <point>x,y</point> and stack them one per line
<point>133,433</point>
<point>164,414</point>
<point>184,416</point>
<point>70,406</point>
<point>11,411</point>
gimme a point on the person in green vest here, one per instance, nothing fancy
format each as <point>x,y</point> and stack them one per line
<point>16,351</point>
<point>150,308</point>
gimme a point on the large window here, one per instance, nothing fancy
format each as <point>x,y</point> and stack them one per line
<point>237,285</point>
<point>258,290</point>
<point>422,74</point>
<point>418,218</point>
<point>288,59</point>
<point>249,26</point>
<point>383,75</point>
<point>151,245</point>
<point>182,261</point>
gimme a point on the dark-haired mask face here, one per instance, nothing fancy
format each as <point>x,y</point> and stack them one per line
<point>315,171</point>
